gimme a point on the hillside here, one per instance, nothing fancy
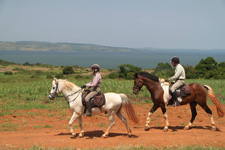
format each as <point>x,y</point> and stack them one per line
<point>62,47</point>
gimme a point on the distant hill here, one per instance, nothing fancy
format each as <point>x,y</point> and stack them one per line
<point>61,47</point>
<point>78,47</point>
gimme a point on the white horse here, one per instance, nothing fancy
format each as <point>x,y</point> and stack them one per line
<point>113,104</point>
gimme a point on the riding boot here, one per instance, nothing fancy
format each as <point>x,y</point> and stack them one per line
<point>88,111</point>
<point>176,103</point>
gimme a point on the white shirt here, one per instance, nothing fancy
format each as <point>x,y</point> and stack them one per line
<point>179,73</point>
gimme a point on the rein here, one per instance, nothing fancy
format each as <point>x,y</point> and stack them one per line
<point>73,94</point>
<point>55,93</point>
<point>154,86</point>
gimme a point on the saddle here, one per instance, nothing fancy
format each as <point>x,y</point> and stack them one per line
<point>97,101</point>
<point>183,91</point>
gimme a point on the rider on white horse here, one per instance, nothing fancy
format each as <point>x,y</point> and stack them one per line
<point>94,86</point>
<point>179,78</point>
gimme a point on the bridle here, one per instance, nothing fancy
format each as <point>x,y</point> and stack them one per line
<point>138,87</point>
<point>55,93</point>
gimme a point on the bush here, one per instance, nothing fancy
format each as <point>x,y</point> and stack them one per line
<point>68,70</point>
<point>8,73</point>
<point>127,71</point>
<point>113,75</point>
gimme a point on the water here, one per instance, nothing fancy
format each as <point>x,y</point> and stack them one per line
<point>143,59</point>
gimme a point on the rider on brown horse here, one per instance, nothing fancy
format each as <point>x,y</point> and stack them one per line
<point>179,78</point>
<point>94,86</point>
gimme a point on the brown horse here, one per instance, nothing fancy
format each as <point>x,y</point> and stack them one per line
<point>161,97</point>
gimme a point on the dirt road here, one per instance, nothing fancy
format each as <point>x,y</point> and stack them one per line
<point>50,129</point>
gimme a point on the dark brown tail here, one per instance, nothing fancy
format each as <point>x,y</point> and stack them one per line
<point>129,108</point>
<point>213,98</point>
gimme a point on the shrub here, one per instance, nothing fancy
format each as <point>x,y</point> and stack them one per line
<point>113,75</point>
<point>8,73</point>
<point>68,70</point>
<point>127,71</point>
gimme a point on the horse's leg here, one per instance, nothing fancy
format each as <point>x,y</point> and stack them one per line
<point>81,127</point>
<point>194,114</point>
<point>72,119</point>
<point>111,123</point>
<point>165,117</point>
<point>119,114</point>
<point>153,109</point>
<point>209,112</point>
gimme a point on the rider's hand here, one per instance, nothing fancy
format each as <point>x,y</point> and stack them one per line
<point>83,86</point>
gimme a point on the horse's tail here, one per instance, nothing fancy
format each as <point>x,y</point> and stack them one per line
<point>129,108</point>
<point>213,98</point>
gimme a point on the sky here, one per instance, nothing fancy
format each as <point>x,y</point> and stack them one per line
<point>172,24</point>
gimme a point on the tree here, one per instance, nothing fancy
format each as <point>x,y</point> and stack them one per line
<point>163,70</point>
<point>190,72</point>
<point>127,71</point>
<point>221,70</point>
<point>206,68</point>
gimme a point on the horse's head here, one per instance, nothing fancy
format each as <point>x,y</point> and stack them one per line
<point>55,89</point>
<point>138,83</point>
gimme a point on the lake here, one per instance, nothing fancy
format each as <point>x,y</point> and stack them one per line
<point>143,59</point>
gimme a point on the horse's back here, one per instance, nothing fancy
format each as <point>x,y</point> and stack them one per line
<point>113,98</point>
<point>197,88</point>
<point>198,91</point>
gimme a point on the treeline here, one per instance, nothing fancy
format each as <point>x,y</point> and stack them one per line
<point>206,69</point>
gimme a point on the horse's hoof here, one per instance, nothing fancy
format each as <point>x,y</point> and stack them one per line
<point>147,128</point>
<point>213,129</point>
<point>103,136</point>
<point>186,128</point>
<point>165,129</point>
<point>129,135</point>
<point>80,136</point>
<point>73,137</point>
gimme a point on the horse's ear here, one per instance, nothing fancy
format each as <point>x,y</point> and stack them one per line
<point>55,80</point>
<point>135,76</point>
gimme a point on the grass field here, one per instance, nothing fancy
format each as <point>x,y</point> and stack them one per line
<point>29,89</point>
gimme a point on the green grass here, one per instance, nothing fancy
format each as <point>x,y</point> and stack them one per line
<point>21,91</point>
<point>8,126</point>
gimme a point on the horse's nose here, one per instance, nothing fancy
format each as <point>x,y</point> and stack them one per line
<point>51,97</point>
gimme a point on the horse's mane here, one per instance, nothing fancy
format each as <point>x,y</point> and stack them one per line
<point>69,85</point>
<point>150,76</point>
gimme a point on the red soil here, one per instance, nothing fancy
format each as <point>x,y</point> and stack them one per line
<point>49,129</point>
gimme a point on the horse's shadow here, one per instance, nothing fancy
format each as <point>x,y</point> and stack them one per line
<point>176,128</point>
<point>98,134</point>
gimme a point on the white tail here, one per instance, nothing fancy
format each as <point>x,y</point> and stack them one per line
<point>129,108</point>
